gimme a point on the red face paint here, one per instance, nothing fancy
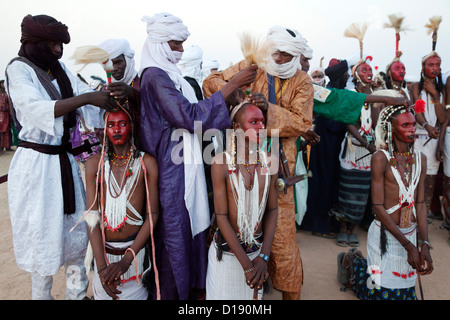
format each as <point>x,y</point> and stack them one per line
<point>398,71</point>
<point>365,73</point>
<point>432,67</point>
<point>118,128</point>
<point>405,127</point>
<point>252,123</point>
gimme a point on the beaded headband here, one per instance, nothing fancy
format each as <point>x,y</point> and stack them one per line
<point>236,109</point>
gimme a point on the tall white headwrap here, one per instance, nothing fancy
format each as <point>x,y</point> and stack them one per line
<point>191,63</point>
<point>284,41</point>
<point>161,28</point>
<point>116,47</point>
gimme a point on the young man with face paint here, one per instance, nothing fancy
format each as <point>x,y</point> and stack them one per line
<point>395,77</point>
<point>356,149</point>
<point>430,89</point>
<point>246,209</point>
<point>398,176</point>
<point>285,94</point>
<point>125,81</point>
<point>122,189</point>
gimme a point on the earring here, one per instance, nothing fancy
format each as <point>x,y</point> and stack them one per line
<point>233,151</point>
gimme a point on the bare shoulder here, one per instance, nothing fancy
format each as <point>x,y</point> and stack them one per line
<point>92,163</point>
<point>220,159</point>
<point>150,161</point>
<point>219,164</point>
<point>423,159</point>
<point>379,160</point>
<point>414,89</point>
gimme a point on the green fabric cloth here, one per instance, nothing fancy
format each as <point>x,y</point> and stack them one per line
<point>340,104</point>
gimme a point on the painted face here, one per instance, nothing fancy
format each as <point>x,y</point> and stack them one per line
<point>252,122</point>
<point>405,127</point>
<point>365,73</point>
<point>317,77</point>
<point>118,128</point>
<point>398,71</point>
<point>281,57</point>
<point>432,67</point>
<point>119,66</point>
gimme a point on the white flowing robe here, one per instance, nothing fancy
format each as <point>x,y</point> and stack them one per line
<point>41,238</point>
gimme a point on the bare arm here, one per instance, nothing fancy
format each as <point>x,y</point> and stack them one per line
<point>100,99</point>
<point>379,165</point>
<point>219,174</point>
<point>426,266</point>
<point>269,226</point>
<point>143,235</point>
<point>95,234</point>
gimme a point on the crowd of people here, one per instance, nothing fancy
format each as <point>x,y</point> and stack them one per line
<point>197,179</point>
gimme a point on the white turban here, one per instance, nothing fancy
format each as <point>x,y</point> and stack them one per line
<point>162,28</point>
<point>208,65</point>
<point>116,47</point>
<point>284,41</point>
<point>308,53</point>
<point>191,63</point>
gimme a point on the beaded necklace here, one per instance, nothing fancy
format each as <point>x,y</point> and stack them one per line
<point>125,157</point>
<point>247,165</point>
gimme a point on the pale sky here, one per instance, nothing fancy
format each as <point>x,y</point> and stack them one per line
<point>215,26</point>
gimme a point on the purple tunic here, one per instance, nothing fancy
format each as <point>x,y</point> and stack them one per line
<point>181,260</point>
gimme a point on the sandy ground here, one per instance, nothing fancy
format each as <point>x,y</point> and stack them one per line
<point>318,255</point>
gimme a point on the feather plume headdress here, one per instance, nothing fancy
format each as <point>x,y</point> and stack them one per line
<point>395,22</point>
<point>85,55</point>
<point>357,31</point>
<point>255,50</point>
<point>432,28</point>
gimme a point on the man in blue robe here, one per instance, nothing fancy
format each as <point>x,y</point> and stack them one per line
<point>170,115</point>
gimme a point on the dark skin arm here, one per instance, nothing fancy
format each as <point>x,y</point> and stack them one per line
<point>219,173</point>
<point>269,226</point>
<point>95,235</point>
<point>440,148</point>
<point>379,167</point>
<point>426,263</point>
<point>433,132</point>
<point>100,99</point>
<point>241,79</point>
<point>121,92</point>
<point>110,275</point>
<point>116,270</point>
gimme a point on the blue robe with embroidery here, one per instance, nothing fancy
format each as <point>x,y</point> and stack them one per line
<point>181,259</point>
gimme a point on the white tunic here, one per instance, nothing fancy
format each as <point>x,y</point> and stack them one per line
<point>422,135</point>
<point>41,238</point>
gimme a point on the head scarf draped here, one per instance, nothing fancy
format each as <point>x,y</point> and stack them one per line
<point>37,31</point>
<point>117,47</point>
<point>191,63</point>
<point>162,28</point>
<point>290,41</point>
